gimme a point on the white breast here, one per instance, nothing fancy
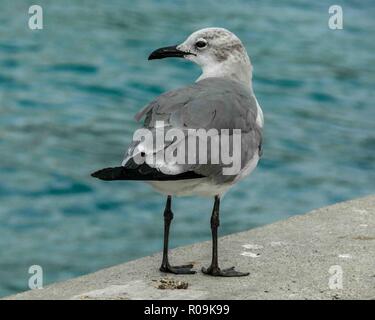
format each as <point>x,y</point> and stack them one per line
<point>259,119</point>
<point>190,187</point>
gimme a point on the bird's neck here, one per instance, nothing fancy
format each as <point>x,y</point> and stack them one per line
<point>240,71</point>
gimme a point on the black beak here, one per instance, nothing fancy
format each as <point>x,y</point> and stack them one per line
<point>167,52</point>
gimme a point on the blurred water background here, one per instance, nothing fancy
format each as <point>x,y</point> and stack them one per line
<point>68,94</point>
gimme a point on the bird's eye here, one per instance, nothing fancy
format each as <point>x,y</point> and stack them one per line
<point>201,43</point>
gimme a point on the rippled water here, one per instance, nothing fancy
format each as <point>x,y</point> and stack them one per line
<point>67,98</point>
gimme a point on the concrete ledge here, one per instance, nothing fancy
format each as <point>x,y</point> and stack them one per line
<point>289,259</point>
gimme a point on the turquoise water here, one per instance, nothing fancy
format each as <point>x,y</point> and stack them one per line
<point>67,98</point>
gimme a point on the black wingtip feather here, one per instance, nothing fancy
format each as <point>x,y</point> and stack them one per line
<point>109,174</point>
<point>142,172</point>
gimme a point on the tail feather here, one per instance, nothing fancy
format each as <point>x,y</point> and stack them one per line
<point>151,174</point>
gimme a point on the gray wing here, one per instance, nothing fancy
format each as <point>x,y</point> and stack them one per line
<point>213,103</point>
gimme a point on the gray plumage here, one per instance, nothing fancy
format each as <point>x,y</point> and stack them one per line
<point>212,103</point>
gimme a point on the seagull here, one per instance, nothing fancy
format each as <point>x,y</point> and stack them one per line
<point>221,98</point>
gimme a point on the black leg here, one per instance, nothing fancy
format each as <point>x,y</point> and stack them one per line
<point>165,266</point>
<point>214,269</point>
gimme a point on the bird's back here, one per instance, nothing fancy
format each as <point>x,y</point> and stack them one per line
<point>212,103</point>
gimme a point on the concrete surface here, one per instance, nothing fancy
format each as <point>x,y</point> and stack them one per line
<point>290,259</point>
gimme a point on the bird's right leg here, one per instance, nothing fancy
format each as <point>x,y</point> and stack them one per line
<point>213,269</point>
<point>165,266</point>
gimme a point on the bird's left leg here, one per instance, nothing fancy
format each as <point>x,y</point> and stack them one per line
<point>165,266</point>
<point>213,269</point>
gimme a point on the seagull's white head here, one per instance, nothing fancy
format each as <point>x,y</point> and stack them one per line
<point>219,53</point>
